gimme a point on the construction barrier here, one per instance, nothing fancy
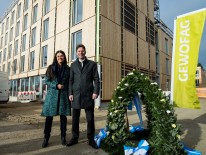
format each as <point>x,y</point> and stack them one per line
<point>201,92</point>
<point>26,96</point>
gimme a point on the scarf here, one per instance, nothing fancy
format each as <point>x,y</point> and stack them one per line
<point>58,71</point>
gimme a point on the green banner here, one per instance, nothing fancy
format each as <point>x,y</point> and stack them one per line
<point>186,44</point>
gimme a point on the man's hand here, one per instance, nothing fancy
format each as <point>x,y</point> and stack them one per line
<point>94,96</point>
<point>71,98</point>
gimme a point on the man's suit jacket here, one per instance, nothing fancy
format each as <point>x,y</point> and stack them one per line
<point>83,83</point>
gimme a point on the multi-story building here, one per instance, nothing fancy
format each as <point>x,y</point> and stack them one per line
<point>120,35</point>
<point>164,44</point>
<point>200,77</point>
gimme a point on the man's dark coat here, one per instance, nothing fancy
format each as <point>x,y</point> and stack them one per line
<point>83,83</point>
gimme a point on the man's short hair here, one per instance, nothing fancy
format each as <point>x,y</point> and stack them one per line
<point>80,45</point>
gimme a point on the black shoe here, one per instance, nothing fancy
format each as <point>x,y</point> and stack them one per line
<point>64,142</point>
<point>73,141</point>
<point>45,142</point>
<point>93,144</point>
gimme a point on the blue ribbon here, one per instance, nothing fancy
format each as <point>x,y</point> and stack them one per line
<point>130,106</point>
<point>191,151</point>
<point>138,105</point>
<point>142,149</point>
<point>133,129</point>
<point>98,138</point>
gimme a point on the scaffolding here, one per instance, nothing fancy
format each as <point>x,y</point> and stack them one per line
<point>158,22</point>
<point>156,10</point>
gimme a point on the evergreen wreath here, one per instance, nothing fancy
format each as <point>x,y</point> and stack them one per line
<point>163,131</point>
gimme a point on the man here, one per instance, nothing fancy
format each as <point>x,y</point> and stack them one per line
<point>84,88</point>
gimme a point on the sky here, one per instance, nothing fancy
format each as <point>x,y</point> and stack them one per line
<point>169,10</point>
<point>4,4</point>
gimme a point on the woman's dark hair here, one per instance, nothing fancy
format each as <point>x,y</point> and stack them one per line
<point>50,70</point>
<point>55,57</point>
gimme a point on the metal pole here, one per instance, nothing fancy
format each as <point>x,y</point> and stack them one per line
<point>98,100</point>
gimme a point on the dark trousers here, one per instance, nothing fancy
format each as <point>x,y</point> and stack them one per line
<point>48,125</point>
<point>90,123</point>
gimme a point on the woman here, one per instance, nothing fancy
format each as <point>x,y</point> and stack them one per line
<point>56,101</point>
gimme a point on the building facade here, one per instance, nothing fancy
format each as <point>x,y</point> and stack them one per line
<point>164,45</point>
<point>120,35</point>
<point>200,77</point>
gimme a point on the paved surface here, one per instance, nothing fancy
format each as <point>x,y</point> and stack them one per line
<point>193,126</point>
<point>21,130</point>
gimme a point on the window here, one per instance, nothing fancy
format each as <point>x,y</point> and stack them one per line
<point>0,56</point>
<point>197,82</point>
<point>25,21</point>
<point>77,11</point>
<point>26,80</point>
<point>197,73</point>
<point>33,37</point>
<point>4,68</point>
<point>32,59</point>
<point>167,66</point>
<point>24,43</point>
<point>7,23</point>
<point>32,83</point>
<point>12,17</point>
<point>11,34</point>
<point>26,4</point>
<point>14,66</point>
<point>22,63</point>
<point>37,83</point>
<point>168,85</point>
<point>150,32</point>
<point>16,47</point>
<point>156,41</point>
<point>46,6</point>
<point>2,28</point>
<point>76,39</point>
<point>22,84</point>
<point>125,69</point>
<point>35,10</point>
<point>129,16</point>
<point>166,45</point>
<point>10,51</point>
<point>6,38</point>
<point>1,42</point>
<point>46,29</point>
<point>44,56</point>
<point>19,10</point>
<point>157,63</point>
<point>4,58</point>
<point>171,47</point>
<point>17,28</point>
<point>8,68</point>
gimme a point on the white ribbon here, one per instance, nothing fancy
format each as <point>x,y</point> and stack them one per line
<point>98,138</point>
<point>142,149</point>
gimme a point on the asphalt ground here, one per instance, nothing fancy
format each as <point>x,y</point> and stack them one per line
<point>21,130</point>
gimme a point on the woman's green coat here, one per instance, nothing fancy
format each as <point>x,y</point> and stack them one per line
<point>50,107</point>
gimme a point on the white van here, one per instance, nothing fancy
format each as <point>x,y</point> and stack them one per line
<point>4,87</point>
